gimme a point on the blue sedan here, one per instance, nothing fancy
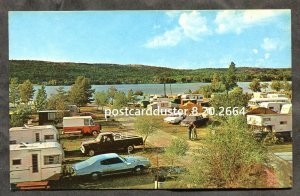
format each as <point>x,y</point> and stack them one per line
<point>110,164</point>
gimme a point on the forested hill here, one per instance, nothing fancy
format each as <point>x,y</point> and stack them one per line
<point>56,73</point>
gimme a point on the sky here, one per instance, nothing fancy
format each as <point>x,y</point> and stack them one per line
<point>188,39</point>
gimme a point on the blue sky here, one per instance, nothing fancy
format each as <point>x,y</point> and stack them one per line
<point>177,39</point>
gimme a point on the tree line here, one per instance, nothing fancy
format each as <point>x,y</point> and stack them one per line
<point>53,73</point>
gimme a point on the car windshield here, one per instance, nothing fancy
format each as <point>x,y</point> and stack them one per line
<point>123,159</point>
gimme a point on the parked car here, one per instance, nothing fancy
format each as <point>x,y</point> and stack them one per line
<point>81,125</point>
<point>198,120</point>
<point>174,118</point>
<point>109,142</point>
<point>88,114</point>
<point>110,164</point>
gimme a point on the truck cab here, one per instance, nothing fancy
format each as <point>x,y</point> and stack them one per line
<point>109,142</point>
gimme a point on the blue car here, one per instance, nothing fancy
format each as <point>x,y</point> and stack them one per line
<point>110,164</point>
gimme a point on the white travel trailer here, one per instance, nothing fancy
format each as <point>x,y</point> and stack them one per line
<point>275,106</point>
<point>162,106</point>
<point>198,98</point>
<point>280,124</point>
<point>255,102</point>
<point>32,134</point>
<point>35,162</point>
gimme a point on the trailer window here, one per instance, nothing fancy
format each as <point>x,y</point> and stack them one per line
<point>35,165</point>
<point>53,159</point>
<point>16,162</point>
<point>86,122</point>
<point>12,142</point>
<point>49,137</point>
<point>51,116</point>
<point>37,137</point>
<point>283,122</point>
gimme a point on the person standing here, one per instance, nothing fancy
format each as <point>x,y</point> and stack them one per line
<point>194,131</point>
<point>190,129</point>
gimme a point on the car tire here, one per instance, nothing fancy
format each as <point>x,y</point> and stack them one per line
<point>94,133</point>
<point>91,153</point>
<point>130,149</point>
<point>95,176</point>
<point>138,170</point>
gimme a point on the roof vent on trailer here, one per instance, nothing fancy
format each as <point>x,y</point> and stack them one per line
<point>23,145</point>
<point>27,126</point>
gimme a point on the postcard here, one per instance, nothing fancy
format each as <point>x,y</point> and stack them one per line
<point>156,99</point>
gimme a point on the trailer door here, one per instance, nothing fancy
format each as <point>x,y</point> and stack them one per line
<point>36,173</point>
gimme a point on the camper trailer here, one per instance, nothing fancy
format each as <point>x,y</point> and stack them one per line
<point>52,117</point>
<point>275,106</point>
<point>162,106</point>
<point>194,98</point>
<point>32,134</point>
<point>255,102</point>
<point>35,162</point>
<point>280,124</point>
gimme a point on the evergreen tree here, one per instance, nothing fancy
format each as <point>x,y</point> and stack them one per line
<point>41,99</point>
<point>26,91</point>
<point>81,92</point>
<point>14,93</point>
<point>230,79</point>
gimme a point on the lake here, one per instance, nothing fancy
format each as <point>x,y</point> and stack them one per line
<point>177,88</point>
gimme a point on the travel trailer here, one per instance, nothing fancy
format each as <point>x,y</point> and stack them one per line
<point>275,106</point>
<point>163,106</point>
<point>35,162</point>
<point>81,125</point>
<point>280,124</point>
<point>195,98</point>
<point>32,134</point>
<point>255,102</point>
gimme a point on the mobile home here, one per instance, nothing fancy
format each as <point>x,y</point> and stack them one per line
<point>35,162</point>
<point>195,98</point>
<point>32,134</point>
<point>255,102</point>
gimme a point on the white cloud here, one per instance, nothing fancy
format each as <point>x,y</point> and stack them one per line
<point>269,44</point>
<point>169,38</point>
<point>237,21</point>
<point>255,51</point>
<point>193,24</point>
<point>190,25</point>
<point>267,55</point>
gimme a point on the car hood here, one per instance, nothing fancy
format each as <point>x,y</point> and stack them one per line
<point>134,159</point>
<point>170,118</point>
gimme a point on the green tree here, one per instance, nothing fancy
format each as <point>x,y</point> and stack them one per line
<point>286,86</point>
<point>146,126</point>
<point>120,100</point>
<point>20,116</point>
<point>41,99</point>
<point>101,99</point>
<point>14,93</point>
<point>255,85</point>
<point>58,101</point>
<point>130,95</point>
<point>138,92</point>
<point>265,86</point>
<point>230,157</point>
<point>177,148</point>
<point>230,79</point>
<point>81,92</point>
<point>26,91</point>
<point>111,93</point>
<point>276,85</point>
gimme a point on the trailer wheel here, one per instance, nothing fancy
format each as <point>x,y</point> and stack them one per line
<point>91,153</point>
<point>94,133</point>
<point>130,149</point>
